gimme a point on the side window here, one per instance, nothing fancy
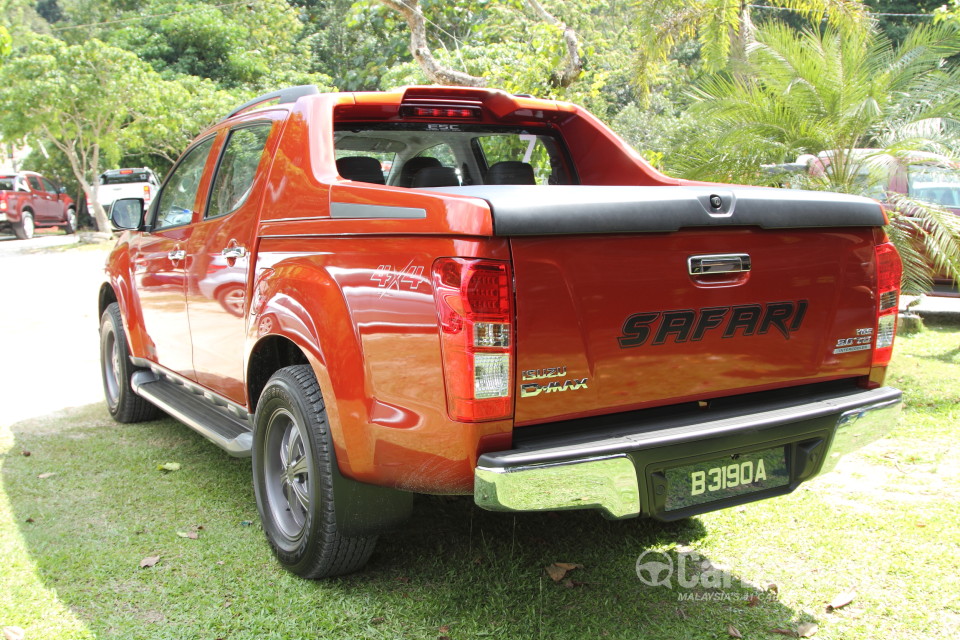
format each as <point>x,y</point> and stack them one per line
<point>34,183</point>
<point>238,168</point>
<point>48,186</point>
<point>175,206</point>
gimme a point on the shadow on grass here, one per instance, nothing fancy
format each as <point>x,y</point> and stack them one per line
<point>454,570</point>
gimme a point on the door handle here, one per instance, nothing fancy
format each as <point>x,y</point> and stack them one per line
<point>233,252</point>
<point>721,263</point>
<point>177,254</point>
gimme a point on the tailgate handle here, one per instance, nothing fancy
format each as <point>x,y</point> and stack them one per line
<point>721,263</point>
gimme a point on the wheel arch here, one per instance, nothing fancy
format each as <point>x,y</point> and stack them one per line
<point>270,354</point>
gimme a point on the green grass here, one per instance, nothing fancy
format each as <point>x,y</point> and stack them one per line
<point>885,523</point>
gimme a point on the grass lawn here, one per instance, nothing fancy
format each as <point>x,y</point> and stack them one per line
<point>886,524</point>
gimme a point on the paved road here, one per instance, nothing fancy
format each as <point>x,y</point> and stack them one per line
<point>49,349</point>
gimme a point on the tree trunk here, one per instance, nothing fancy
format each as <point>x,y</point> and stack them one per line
<point>439,74</point>
<point>563,76</point>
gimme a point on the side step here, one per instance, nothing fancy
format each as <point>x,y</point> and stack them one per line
<point>194,409</point>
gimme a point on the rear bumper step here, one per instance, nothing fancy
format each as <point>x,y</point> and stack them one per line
<point>620,465</point>
<point>227,432</point>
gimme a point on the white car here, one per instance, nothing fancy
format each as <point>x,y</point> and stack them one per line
<point>126,183</point>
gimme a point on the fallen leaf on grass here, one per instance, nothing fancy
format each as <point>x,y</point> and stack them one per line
<point>444,629</point>
<point>773,588</point>
<point>841,600</point>
<point>807,630</point>
<point>25,453</point>
<point>149,561</point>
<point>733,632</point>
<point>13,633</point>
<point>44,476</point>
<point>29,520</point>
<point>559,570</point>
<point>192,535</point>
<point>753,601</point>
<point>169,466</point>
<point>377,620</point>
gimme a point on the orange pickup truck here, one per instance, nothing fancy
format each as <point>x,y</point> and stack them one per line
<point>447,290</point>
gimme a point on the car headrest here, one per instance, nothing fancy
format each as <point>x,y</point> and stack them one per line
<point>436,177</point>
<point>360,168</point>
<point>412,167</point>
<point>510,172</point>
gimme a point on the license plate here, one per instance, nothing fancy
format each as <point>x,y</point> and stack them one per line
<point>726,477</point>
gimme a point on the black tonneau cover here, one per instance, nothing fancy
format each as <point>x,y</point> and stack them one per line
<point>522,210</point>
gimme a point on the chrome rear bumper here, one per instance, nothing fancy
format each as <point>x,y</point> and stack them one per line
<point>611,468</point>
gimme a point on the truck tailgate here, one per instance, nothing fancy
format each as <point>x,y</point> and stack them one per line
<point>619,322</point>
<point>634,297</point>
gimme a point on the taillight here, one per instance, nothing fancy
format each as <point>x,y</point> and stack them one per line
<point>146,193</point>
<point>889,272</point>
<point>475,309</point>
<point>3,202</point>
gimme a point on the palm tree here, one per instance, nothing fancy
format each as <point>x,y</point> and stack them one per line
<point>723,28</point>
<point>822,91</point>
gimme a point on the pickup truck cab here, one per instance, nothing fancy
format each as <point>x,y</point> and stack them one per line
<point>447,290</point>
<point>28,201</point>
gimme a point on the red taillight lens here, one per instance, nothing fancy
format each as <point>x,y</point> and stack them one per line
<point>889,272</point>
<point>146,193</point>
<point>439,112</point>
<point>474,307</point>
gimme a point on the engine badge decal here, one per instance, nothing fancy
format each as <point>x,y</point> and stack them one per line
<point>861,342</point>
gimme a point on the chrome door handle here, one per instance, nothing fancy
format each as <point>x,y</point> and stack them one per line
<point>233,252</point>
<point>720,263</point>
<point>177,254</point>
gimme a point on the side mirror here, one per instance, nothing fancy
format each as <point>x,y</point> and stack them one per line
<point>127,213</point>
<point>62,190</point>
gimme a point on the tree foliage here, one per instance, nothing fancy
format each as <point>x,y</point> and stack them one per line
<point>92,102</point>
<point>803,93</point>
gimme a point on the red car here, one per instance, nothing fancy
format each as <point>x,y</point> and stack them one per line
<point>29,201</point>
<point>448,290</point>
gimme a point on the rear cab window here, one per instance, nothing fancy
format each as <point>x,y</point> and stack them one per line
<point>445,154</point>
<point>126,176</point>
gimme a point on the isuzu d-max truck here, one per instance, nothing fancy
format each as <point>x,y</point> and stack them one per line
<point>446,290</point>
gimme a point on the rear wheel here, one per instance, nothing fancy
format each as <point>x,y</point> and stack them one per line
<point>293,478</point>
<point>115,366</point>
<point>25,228</point>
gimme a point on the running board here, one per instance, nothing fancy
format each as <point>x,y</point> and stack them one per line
<point>197,411</point>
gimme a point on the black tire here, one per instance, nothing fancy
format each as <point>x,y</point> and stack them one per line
<point>25,228</point>
<point>116,369</point>
<point>293,479</point>
<point>70,225</point>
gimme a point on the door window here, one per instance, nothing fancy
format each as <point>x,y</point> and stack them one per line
<point>34,183</point>
<point>175,206</point>
<point>48,186</point>
<point>238,168</point>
